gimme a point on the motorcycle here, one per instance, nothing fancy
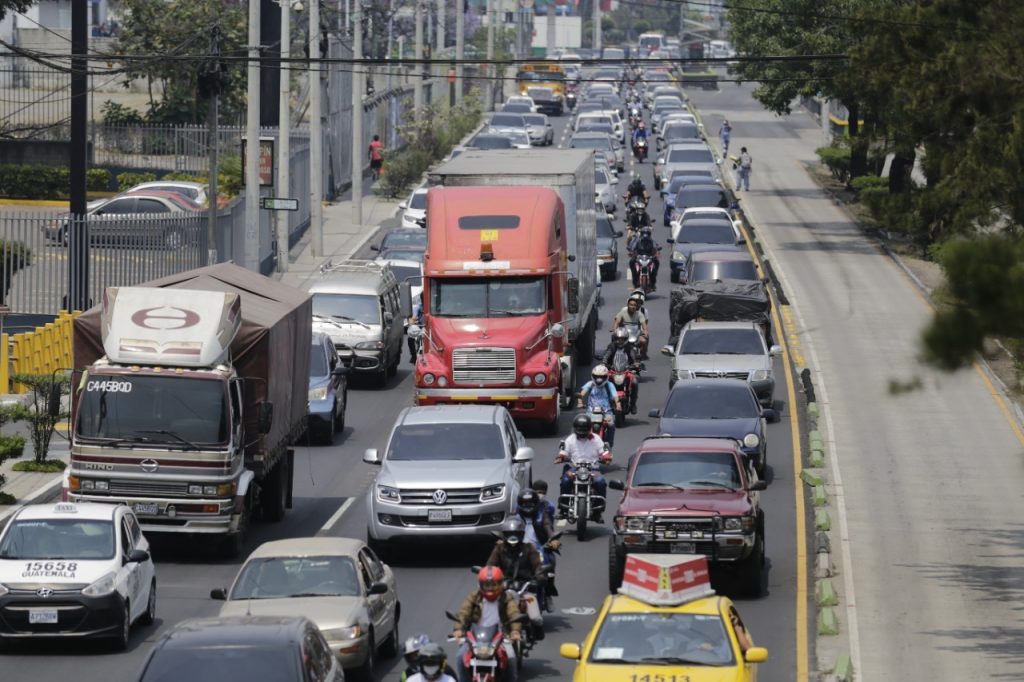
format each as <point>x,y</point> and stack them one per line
<point>580,506</point>
<point>486,660</point>
<point>570,100</point>
<point>640,150</point>
<point>645,272</point>
<point>623,377</point>
<point>634,117</point>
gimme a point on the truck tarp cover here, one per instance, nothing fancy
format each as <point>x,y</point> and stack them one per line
<point>272,345</point>
<point>721,301</point>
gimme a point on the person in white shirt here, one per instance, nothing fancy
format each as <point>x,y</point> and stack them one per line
<point>583,446</point>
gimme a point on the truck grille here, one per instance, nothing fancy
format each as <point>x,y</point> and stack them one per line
<point>148,488</point>
<point>671,529</point>
<point>452,496</point>
<point>484,365</point>
<point>722,375</point>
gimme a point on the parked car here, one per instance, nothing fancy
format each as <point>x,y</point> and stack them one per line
<point>447,470</point>
<point>607,248</point>
<point>726,350</point>
<point>338,583</point>
<point>153,218</point>
<point>242,648</point>
<point>414,209</point>
<point>195,192</point>
<point>718,408</point>
<point>328,391</point>
<point>540,130</point>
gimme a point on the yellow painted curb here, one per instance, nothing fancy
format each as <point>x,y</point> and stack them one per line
<point>54,203</point>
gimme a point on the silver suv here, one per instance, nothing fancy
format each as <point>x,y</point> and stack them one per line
<point>447,470</point>
<point>727,350</point>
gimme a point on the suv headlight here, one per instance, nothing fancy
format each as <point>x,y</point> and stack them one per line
<point>492,492</point>
<point>318,393</point>
<point>684,374</point>
<point>348,632</point>
<point>733,523</point>
<point>386,493</point>
<point>678,257</point>
<point>636,524</point>
<point>370,345</point>
<point>103,586</point>
<point>761,375</point>
<point>751,440</point>
<point>3,590</point>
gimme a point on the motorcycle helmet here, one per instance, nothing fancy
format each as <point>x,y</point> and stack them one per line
<point>491,581</point>
<point>599,374</point>
<point>412,647</point>
<point>581,425</point>
<point>620,337</point>
<point>513,530</point>
<point>527,502</point>
<point>432,661</point>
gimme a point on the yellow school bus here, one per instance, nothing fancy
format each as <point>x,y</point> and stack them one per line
<point>541,75</point>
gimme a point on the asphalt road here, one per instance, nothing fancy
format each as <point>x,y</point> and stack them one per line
<point>329,479</point>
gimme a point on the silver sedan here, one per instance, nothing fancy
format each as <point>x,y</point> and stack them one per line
<point>539,128</point>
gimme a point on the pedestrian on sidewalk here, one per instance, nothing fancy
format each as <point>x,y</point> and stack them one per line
<point>743,164</point>
<point>724,133</point>
<point>376,157</point>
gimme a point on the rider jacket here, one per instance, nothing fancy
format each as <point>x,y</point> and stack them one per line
<point>472,608</point>
<point>522,562</point>
<point>636,189</point>
<point>646,246</point>
<point>639,133</point>
<point>612,349</point>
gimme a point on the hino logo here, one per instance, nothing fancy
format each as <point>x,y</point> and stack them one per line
<point>98,467</point>
<point>149,465</point>
<point>440,497</point>
<point>44,592</point>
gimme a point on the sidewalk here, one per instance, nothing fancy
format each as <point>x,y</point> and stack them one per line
<point>30,487</point>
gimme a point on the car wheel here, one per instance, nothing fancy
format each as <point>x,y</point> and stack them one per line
<point>751,569</point>
<point>339,423</point>
<point>124,633</point>
<point>674,276</point>
<point>381,548</point>
<point>149,617</point>
<point>327,431</point>
<point>616,565</point>
<point>367,671</point>
<point>393,646</point>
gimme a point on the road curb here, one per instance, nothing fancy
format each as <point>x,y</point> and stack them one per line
<point>843,670</point>
<point>825,593</point>
<point>828,624</point>
<point>37,496</point>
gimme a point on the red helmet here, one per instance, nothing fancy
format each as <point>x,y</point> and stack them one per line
<point>492,582</point>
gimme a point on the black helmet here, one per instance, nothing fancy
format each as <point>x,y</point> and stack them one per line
<point>581,425</point>
<point>527,502</point>
<point>513,531</point>
<point>432,661</point>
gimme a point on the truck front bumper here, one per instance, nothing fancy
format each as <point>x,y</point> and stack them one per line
<point>361,360</point>
<point>174,515</point>
<point>523,403</point>
<point>724,548</point>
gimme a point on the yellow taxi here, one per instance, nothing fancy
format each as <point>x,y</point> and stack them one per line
<point>666,625</point>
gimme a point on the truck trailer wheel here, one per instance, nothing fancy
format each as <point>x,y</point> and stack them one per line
<point>275,492</point>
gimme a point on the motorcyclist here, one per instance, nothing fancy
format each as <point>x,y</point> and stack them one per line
<point>583,446</point>
<point>631,314</point>
<point>491,604</point>
<point>599,392</point>
<point>637,219</point>
<point>412,651</point>
<point>433,665</point>
<point>620,343</point>
<point>637,189</point>
<point>539,520</point>
<point>520,560</point>
<point>644,245</point>
<point>639,133</point>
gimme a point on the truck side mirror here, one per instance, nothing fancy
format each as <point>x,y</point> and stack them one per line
<point>264,416</point>
<point>53,400</point>
<point>573,291</point>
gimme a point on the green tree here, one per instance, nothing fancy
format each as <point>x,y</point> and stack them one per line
<point>14,6</point>
<point>45,409</point>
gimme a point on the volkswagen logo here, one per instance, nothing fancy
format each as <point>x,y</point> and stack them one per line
<point>149,465</point>
<point>440,497</point>
<point>44,592</point>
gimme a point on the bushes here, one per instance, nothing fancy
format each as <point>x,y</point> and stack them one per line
<point>129,179</point>
<point>837,158</point>
<point>97,180</point>
<point>46,182</point>
<point>119,114</point>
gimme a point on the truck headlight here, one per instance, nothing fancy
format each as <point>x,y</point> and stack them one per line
<point>343,633</point>
<point>492,492</point>
<point>733,523</point>
<point>428,378</point>
<point>761,375</point>
<point>442,381</point>
<point>635,525</point>
<point>386,493</point>
<point>195,489</point>
<point>105,585</point>
<point>103,485</point>
<point>318,393</point>
<point>370,345</point>
<point>526,380</point>
<point>751,440</point>
<point>540,378</point>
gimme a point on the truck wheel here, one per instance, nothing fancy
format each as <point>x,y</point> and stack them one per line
<point>616,566</point>
<point>751,568</point>
<point>274,493</point>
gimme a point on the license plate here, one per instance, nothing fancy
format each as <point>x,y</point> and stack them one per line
<point>439,515</point>
<point>146,508</point>
<point>682,547</point>
<point>42,616</point>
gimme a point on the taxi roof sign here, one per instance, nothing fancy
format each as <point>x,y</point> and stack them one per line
<point>65,508</point>
<point>666,579</point>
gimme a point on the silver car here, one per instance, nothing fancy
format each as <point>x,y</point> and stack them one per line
<point>604,144</point>
<point>447,470</point>
<point>604,190</point>
<point>686,156</point>
<point>726,350</point>
<point>540,130</point>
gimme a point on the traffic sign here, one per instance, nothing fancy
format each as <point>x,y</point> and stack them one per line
<point>278,204</point>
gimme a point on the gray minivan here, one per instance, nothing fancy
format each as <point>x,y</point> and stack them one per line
<point>358,304</point>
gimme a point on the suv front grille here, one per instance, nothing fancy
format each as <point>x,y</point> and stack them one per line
<point>484,365</point>
<point>671,529</point>
<point>452,496</point>
<point>722,375</point>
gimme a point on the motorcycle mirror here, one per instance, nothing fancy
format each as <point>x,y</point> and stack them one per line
<point>475,569</point>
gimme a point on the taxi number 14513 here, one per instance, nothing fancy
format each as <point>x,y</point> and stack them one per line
<point>659,678</point>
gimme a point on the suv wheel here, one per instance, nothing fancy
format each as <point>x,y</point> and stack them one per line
<point>616,565</point>
<point>751,569</point>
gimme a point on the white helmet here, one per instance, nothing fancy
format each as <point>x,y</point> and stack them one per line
<point>599,374</point>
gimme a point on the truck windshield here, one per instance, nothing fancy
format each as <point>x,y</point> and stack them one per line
<point>498,297</point>
<point>686,470</point>
<point>165,409</point>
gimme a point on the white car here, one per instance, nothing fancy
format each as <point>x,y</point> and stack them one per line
<point>709,212</point>
<point>414,209</point>
<point>75,570</point>
<point>193,191</point>
<point>520,138</point>
<point>523,99</point>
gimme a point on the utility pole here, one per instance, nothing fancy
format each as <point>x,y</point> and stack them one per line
<point>284,136</point>
<point>215,76</point>
<point>417,83</point>
<point>316,135</point>
<point>460,47</point>
<point>358,82</point>
<point>78,238</point>
<point>492,68</point>
<point>551,38</point>
<point>442,26</point>
<point>252,142</point>
<point>597,27</point>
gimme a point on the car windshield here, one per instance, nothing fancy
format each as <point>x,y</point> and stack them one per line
<point>712,400</point>
<point>690,175</point>
<point>511,120</point>
<point>658,638</point>
<point>706,232</point>
<point>690,155</point>
<point>498,297</point>
<point>596,126</point>
<point>491,142</point>
<point>591,142</point>
<point>535,119</point>
<point>604,229</point>
<point>363,308</point>
<point>418,200</point>
<point>65,539</point>
<point>308,576</point>
<point>681,132</point>
<point>437,442</point>
<point>701,197</point>
<point>599,177</point>
<point>726,269</point>
<point>213,663</point>
<point>318,361</point>
<point>722,342</point>
<point>404,237</point>
<point>170,410</point>
<point>402,254</point>
<point>686,470</point>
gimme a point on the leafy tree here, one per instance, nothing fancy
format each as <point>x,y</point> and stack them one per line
<point>45,409</point>
<point>14,6</point>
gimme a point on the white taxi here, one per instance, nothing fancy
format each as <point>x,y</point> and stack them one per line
<point>75,570</point>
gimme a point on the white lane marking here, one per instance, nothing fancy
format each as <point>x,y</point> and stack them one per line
<point>338,514</point>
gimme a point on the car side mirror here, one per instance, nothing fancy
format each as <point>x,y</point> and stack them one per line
<point>572,651</point>
<point>264,416</point>
<point>53,401</point>
<point>523,454</point>
<point>757,486</point>
<point>617,234</point>
<point>667,351</point>
<point>770,414</point>
<point>379,588</point>
<point>755,654</point>
<point>138,556</point>
<point>616,484</point>
<point>403,206</point>
<point>371,456</point>
<point>656,414</point>
<point>374,247</point>
<point>775,350</point>
<point>219,593</point>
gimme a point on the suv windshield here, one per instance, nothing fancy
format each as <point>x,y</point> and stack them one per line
<point>716,400</point>
<point>66,539</point>
<point>690,155</point>
<point>498,297</point>
<point>360,307</point>
<point>310,576</point>
<point>165,409</point>
<point>686,470</point>
<point>726,269</point>
<point>721,342</point>
<point>255,663</point>
<point>659,638</point>
<point>436,442</point>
